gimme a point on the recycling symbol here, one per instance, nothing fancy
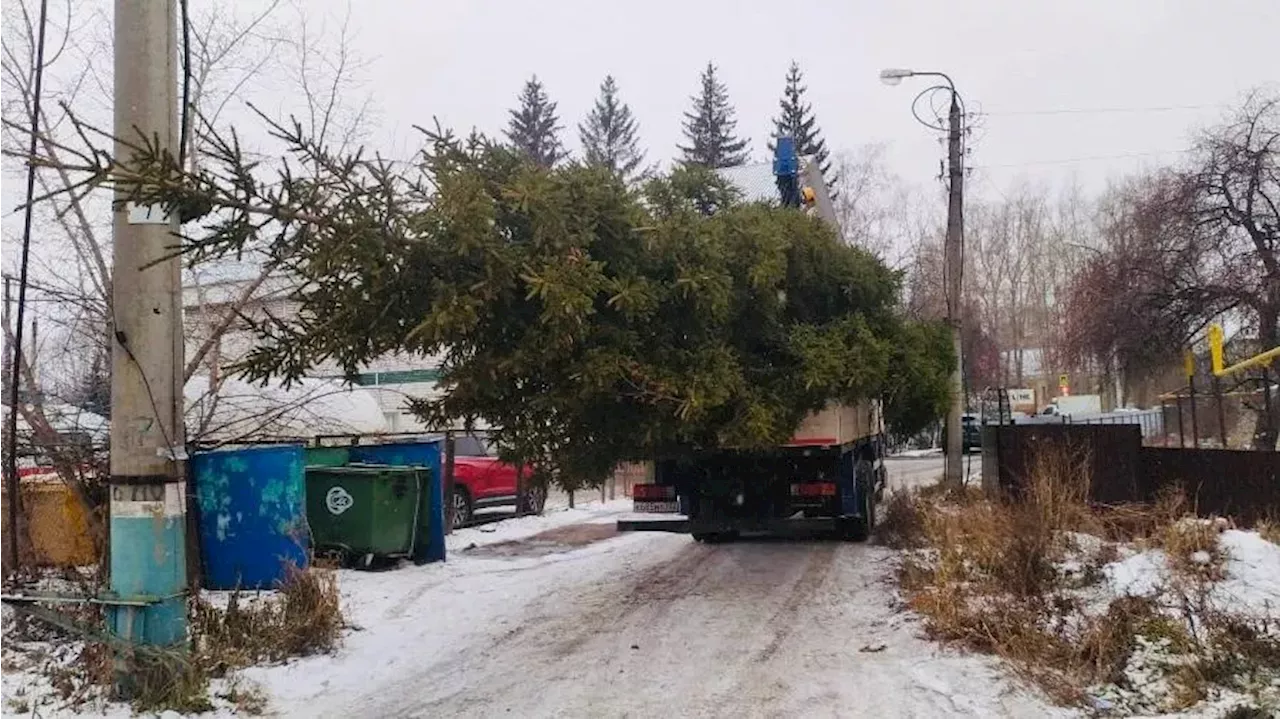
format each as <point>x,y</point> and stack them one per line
<point>338,500</point>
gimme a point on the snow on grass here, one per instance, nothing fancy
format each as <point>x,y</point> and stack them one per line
<point>1252,568</point>
<point>1141,575</point>
<point>39,674</point>
<point>1202,666</point>
<point>1253,572</point>
<point>1181,615</point>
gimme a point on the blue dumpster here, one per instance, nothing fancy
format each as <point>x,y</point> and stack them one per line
<point>415,454</point>
<point>400,454</point>
<point>252,520</point>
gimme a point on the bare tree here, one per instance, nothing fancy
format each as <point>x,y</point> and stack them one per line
<point>1112,318</point>
<point>231,54</point>
<point>877,209</point>
<point>1230,200</point>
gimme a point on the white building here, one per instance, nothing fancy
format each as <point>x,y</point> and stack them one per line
<point>323,404</point>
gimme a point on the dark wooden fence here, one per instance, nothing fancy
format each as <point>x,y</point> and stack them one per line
<point>1237,483</point>
<point>1234,483</point>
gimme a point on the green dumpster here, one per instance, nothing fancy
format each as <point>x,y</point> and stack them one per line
<point>367,513</point>
<point>327,456</point>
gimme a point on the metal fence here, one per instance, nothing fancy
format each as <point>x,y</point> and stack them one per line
<point>1149,421</point>
<point>1240,484</point>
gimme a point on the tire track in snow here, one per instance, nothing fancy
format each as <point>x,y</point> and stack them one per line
<point>552,628</point>
<point>802,593</point>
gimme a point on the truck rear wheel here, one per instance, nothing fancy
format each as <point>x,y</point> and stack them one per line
<point>858,529</point>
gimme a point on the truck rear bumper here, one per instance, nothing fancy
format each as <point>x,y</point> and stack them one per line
<point>692,526</point>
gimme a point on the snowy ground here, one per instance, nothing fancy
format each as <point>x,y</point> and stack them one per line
<point>638,625</point>
<point>1251,588</point>
<point>559,616</point>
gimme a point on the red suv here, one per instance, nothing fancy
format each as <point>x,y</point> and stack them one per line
<point>481,480</point>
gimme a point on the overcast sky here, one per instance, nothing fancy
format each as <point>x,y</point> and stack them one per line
<point>466,61</point>
<point>1041,71</point>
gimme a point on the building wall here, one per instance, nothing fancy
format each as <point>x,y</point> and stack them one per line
<point>394,379</point>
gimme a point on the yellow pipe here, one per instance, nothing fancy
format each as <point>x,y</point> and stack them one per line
<point>1258,359</point>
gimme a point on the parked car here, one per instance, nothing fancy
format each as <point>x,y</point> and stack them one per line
<point>971,432</point>
<point>482,481</point>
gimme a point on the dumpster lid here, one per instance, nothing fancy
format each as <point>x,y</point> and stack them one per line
<point>364,468</point>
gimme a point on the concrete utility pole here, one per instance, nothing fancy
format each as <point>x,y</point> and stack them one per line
<point>148,530</point>
<point>953,257</point>
<point>953,271</point>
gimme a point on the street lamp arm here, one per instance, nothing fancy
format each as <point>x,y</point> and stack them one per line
<point>942,75</point>
<point>953,255</point>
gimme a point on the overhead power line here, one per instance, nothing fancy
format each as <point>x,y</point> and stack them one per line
<point>1101,110</point>
<point>1072,160</point>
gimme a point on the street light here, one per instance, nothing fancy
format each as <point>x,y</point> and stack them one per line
<point>953,262</point>
<point>894,75</point>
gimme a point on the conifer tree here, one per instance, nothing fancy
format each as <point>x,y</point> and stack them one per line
<point>797,120</point>
<point>709,127</point>
<point>534,128</point>
<point>609,134</point>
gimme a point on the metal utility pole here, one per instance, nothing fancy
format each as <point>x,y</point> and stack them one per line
<point>148,530</point>
<point>953,270</point>
<point>953,255</point>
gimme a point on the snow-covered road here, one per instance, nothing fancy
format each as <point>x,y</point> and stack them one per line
<point>905,472</point>
<point>559,616</point>
<point>754,628</point>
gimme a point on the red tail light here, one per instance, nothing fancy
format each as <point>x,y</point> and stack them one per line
<point>653,491</point>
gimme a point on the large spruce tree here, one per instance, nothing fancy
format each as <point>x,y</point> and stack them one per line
<point>709,127</point>
<point>534,128</point>
<point>586,322</point>
<point>796,119</point>
<point>609,134</point>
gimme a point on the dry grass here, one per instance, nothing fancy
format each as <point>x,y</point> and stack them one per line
<point>1192,548</point>
<point>902,523</point>
<point>1269,530</point>
<point>1248,712</point>
<point>987,575</point>
<point>1233,651</point>
<point>990,578</point>
<point>167,680</point>
<point>304,617</point>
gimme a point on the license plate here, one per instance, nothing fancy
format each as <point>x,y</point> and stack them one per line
<point>668,507</point>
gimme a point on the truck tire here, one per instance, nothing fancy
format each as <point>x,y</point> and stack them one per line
<point>858,529</point>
